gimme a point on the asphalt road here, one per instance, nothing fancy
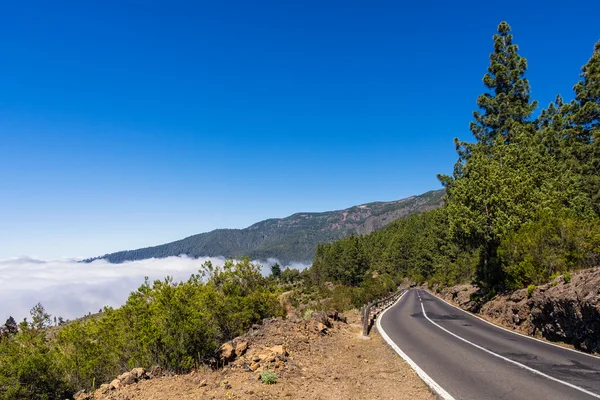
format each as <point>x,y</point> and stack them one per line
<point>473,360</point>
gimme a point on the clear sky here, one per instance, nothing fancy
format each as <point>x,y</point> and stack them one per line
<point>125,124</point>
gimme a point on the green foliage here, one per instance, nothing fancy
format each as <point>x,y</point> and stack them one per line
<point>567,277</point>
<point>276,270</point>
<point>268,378</point>
<point>176,325</point>
<point>547,247</point>
<point>530,290</point>
<point>28,368</point>
<point>519,170</point>
<point>521,206</point>
<point>418,248</point>
<point>507,104</point>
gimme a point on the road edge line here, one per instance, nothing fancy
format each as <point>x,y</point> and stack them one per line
<point>510,330</point>
<point>433,385</point>
<point>518,364</point>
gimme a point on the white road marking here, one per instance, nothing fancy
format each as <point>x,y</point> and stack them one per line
<point>514,332</point>
<point>535,371</point>
<point>422,374</point>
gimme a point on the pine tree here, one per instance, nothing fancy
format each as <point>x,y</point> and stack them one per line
<point>491,189</point>
<point>584,135</point>
<point>11,327</point>
<point>507,105</point>
<point>276,270</point>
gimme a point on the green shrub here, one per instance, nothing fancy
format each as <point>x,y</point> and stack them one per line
<point>544,248</point>
<point>268,378</point>
<point>530,290</point>
<point>175,325</point>
<point>567,277</point>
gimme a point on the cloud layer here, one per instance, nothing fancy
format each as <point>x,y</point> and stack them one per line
<point>70,289</point>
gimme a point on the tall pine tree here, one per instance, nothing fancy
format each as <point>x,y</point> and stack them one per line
<point>490,191</point>
<point>584,135</point>
<point>507,105</point>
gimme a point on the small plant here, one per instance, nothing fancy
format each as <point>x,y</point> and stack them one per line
<point>268,378</point>
<point>308,313</point>
<point>530,290</point>
<point>567,277</point>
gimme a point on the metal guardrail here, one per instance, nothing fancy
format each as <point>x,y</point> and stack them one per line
<point>370,312</point>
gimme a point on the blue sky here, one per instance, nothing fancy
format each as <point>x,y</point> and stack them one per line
<point>126,124</point>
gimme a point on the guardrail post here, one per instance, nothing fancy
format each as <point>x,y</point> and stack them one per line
<point>366,319</point>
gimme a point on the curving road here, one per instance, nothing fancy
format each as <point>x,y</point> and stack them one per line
<point>464,357</point>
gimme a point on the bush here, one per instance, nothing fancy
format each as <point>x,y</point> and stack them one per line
<point>268,378</point>
<point>567,277</point>
<point>530,290</point>
<point>543,249</point>
<point>175,325</point>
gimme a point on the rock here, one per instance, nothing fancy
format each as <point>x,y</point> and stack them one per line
<point>558,311</point>
<point>138,373</point>
<point>104,388</point>
<point>321,328</point>
<point>156,371</point>
<point>227,352</point>
<point>279,350</point>
<point>115,384</point>
<point>82,395</point>
<point>126,378</point>
<point>254,366</point>
<point>241,347</point>
<point>322,318</point>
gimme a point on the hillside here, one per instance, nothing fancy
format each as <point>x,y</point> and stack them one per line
<point>293,238</point>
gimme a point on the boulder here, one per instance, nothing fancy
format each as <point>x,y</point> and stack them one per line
<point>320,327</point>
<point>156,372</point>
<point>254,366</point>
<point>279,351</point>
<point>241,347</point>
<point>138,373</point>
<point>115,384</point>
<point>82,395</point>
<point>322,318</point>
<point>227,352</point>
<point>126,378</point>
<point>104,388</point>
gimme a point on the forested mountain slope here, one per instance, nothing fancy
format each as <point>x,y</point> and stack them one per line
<point>293,238</point>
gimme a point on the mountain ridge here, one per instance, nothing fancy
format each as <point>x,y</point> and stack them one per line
<point>289,239</point>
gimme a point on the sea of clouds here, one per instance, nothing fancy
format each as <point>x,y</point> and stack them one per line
<point>71,289</point>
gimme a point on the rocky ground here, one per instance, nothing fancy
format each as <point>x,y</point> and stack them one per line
<point>323,357</point>
<point>564,310</point>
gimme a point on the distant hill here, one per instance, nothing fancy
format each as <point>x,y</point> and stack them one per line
<point>289,239</point>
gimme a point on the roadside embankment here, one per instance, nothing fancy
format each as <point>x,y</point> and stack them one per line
<point>323,357</point>
<point>564,310</point>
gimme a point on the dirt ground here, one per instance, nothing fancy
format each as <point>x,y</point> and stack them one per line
<point>333,364</point>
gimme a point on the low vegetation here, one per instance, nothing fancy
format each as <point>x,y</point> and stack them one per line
<point>176,325</point>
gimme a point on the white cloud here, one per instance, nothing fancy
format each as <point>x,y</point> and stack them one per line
<point>71,289</point>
